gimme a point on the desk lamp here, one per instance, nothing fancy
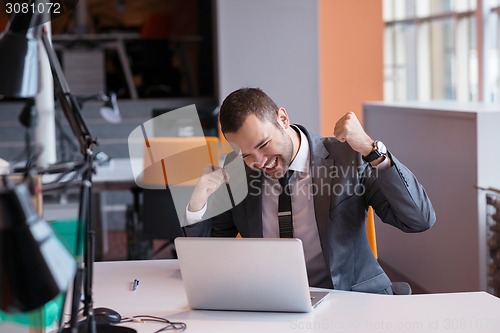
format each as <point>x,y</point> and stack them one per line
<point>109,110</point>
<point>20,64</point>
<point>19,58</point>
<point>34,265</point>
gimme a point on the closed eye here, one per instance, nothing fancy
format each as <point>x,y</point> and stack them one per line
<point>258,146</point>
<point>265,144</point>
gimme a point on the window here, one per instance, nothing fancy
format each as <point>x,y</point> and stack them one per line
<point>432,50</point>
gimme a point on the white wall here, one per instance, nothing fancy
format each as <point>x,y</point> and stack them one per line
<point>272,44</point>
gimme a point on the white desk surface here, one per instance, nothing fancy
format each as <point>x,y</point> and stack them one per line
<point>117,175</point>
<point>161,293</point>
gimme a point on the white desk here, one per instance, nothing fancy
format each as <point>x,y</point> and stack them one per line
<point>161,293</point>
<point>117,175</point>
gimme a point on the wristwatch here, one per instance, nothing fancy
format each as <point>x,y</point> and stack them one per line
<point>379,150</point>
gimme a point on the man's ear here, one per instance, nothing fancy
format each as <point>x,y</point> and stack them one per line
<point>283,119</point>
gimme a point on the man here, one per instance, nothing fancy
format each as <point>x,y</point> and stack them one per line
<point>343,175</point>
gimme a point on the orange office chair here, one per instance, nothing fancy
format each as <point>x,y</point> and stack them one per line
<point>176,174</point>
<point>186,158</point>
<point>398,288</point>
<point>370,232</point>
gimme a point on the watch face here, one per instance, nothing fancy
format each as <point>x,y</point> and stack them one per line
<point>379,145</point>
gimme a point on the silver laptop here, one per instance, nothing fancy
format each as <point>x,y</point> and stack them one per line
<point>249,274</point>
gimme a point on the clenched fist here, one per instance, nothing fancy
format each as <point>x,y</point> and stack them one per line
<point>211,179</point>
<point>349,129</point>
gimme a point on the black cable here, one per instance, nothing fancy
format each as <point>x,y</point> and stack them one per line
<point>171,325</point>
<point>56,184</point>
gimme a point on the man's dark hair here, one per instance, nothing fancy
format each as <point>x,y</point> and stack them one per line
<point>243,102</point>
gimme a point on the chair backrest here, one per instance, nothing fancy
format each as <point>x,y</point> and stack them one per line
<point>370,231</point>
<point>398,288</point>
<point>178,160</point>
<point>172,166</point>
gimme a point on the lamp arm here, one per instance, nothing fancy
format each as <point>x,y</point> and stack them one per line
<point>67,101</point>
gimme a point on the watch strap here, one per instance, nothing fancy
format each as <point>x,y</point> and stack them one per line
<point>372,156</point>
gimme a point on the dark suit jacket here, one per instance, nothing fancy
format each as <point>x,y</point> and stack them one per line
<point>344,187</point>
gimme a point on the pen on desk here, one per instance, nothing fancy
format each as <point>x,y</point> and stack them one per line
<point>135,284</point>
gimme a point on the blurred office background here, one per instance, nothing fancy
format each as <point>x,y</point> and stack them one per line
<point>382,59</point>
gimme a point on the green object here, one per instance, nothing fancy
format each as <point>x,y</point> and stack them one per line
<point>45,316</point>
<point>65,230</point>
<point>48,315</point>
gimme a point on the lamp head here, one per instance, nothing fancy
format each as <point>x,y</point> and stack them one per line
<point>34,266</point>
<point>19,61</point>
<point>110,111</point>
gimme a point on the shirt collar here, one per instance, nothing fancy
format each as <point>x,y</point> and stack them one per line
<point>301,161</point>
